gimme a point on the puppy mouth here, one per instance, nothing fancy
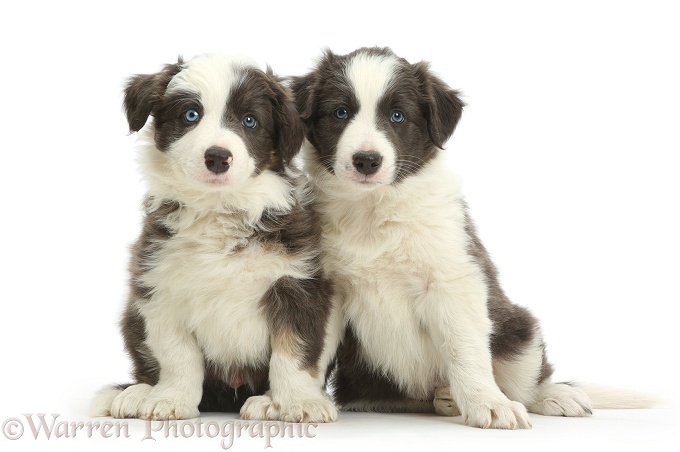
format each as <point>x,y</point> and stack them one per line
<point>214,180</point>
<point>365,182</point>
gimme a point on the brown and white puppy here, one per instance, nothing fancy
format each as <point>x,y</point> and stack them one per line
<point>226,299</point>
<point>428,326</point>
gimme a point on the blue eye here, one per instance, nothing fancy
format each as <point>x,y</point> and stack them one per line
<point>341,113</point>
<point>191,115</point>
<point>397,117</point>
<point>249,121</point>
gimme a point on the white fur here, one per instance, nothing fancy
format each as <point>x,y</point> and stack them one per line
<point>603,397</point>
<point>130,401</point>
<point>559,399</point>
<point>103,400</point>
<point>216,297</point>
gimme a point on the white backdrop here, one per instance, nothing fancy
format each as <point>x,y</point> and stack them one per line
<point>568,149</point>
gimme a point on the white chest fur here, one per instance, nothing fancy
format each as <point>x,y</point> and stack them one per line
<point>388,251</point>
<point>211,277</point>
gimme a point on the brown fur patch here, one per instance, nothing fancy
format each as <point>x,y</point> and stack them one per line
<point>144,94</point>
<point>355,382</point>
<point>279,132</point>
<point>300,307</point>
<point>154,234</point>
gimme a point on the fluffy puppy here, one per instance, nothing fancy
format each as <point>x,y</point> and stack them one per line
<point>226,298</point>
<point>428,325</point>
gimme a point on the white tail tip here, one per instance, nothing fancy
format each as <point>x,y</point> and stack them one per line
<point>604,398</point>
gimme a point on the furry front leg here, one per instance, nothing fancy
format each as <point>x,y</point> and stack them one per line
<point>303,344</point>
<point>462,327</point>
<point>178,391</point>
<point>481,402</point>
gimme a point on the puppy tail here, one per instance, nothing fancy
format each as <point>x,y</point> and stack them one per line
<point>608,398</point>
<point>103,400</point>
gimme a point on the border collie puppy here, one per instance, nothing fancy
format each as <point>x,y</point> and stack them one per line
<point>428,325</point>
<point>226,299</point>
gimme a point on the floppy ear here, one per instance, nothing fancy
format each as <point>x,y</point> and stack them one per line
<point>304,89</point>
<point>442,106</point>
<point>290,131</point>
<point>144,93</point>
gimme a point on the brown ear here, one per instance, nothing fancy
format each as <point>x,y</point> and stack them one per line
<point>290,131</point>
<point>441,105</point>
<point>144,92</point>
<point>305,88</point>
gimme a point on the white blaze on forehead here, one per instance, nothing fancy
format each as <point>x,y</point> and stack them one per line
<point>370,76</point>
<point>212,77</point>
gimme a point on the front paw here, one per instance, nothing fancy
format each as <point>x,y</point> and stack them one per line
<point>256,408</point>
<point>165,404</point>
<point>311,410</point>
<point>498,413</point>
<point>153,403</point>
<point>161,409</point>
<point>129,402</point>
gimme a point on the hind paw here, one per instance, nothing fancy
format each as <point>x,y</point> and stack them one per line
<point>444,405</point>
<point>559,399</point>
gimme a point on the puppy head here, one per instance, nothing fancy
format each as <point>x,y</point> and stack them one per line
<point>217,121</point>
<point>372,117</point>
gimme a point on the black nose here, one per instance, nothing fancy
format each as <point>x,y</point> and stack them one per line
<point>367,162</point>
<point>218,159</point>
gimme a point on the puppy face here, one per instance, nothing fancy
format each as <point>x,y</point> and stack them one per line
<point>372,117</point>
<point>218,121</point>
